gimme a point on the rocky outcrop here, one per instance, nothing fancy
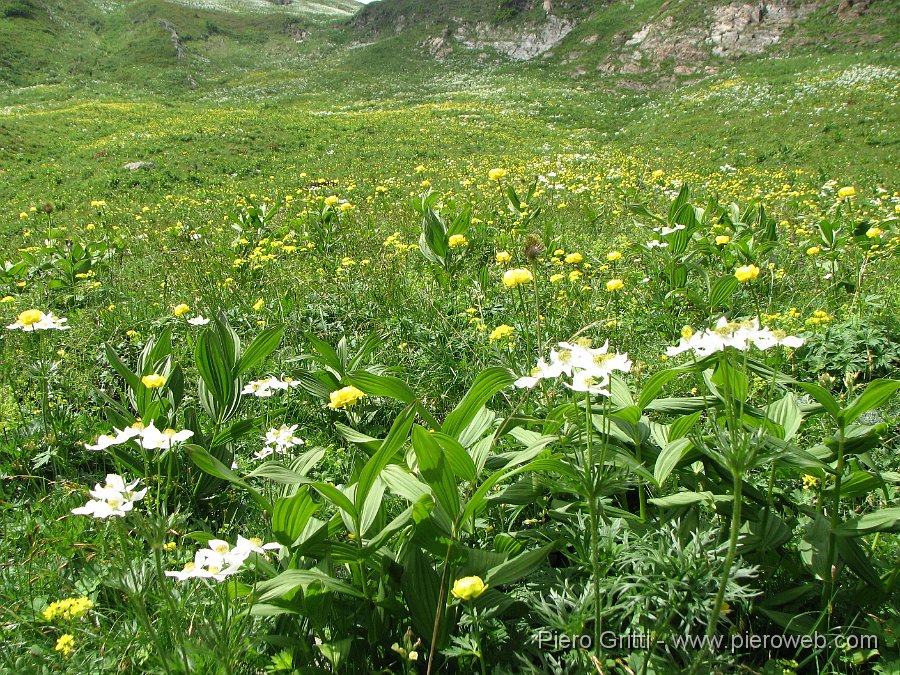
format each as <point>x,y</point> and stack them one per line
<point>176,41</point>
<point>520,43</point>
<point>735,29</point>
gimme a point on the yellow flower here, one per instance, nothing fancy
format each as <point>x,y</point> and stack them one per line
<point>258,305</point>
<point>343,398</point>
<point>154,381</point>
<point>181,310</point>
<point>68,608</point>
<point>468,588</point>
<point>331,201</point>
<point>503,257</point>
<point>496,174</point>
<point>722,239</point>
<point>615,285</point>
<point>659,173</point>
<point>556,278</point>
<point>846,192</point>
<point>517,277</point>
<point>169,546</point>
<point>457,241</point>
<point>810,482</point>
<point>873,232</point>
<point>346,206</point>
<point>812,250</point>
<point>746,273</point>
<point>65,644</point>
<point>687,332</point>
<point>23,215</point>
<point>575,275</point>
<point>501,332</point>
<point>574,258</point>
<point>30,316</point>
<point>420,169</point>
<point>612,256</point>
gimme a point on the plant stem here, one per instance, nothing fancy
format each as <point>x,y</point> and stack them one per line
<point>594,519</point>
<point>835,515</point>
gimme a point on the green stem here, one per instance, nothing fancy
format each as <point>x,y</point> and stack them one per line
<point>835,516</point>
<point>591,484</point>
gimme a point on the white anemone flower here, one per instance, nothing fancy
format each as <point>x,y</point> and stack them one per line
<point>269,385</point>
<point>283,437</point>
<point>198,320</point>
<point>740,335</point>
<point>34,319</point>
<point>152,438</point>
<point>589,369</point>
<point>114,498</point>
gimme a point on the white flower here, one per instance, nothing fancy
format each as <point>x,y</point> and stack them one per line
<point>283,437</point>
<point>220,559</point>
<point>149,438</point>
<point>32,320</point>
<point>114,498</point>
<point>198,320</point>
<point>664,231</point>
<point>589,368</point>
<point>740,335</point>
<point>152,438</point>
<point>267,386</point>
<point>656,243</point>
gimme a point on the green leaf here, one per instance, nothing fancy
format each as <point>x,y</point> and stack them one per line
<point>390,447</point>
<point>259,350</point>
<point>209,464</point>
<point>682,426</point>
<point>401,482</point>
<point>668,459</point>
<point>381,385</point>
<point>460,462</point>
<point>290,580</point>
<point>435,470</point>
<point>722,290</point>
<point>876,394</point>
<point>518,567</point>
<point>885,520</point>
<point>486,385</point>
<point>132,380</point>
<point>654,385</point>
<point>823,397</point>
<point>421,586</point>
<point>688,498</point>
<point>731,381</point>
<point>785,412</point>
<point>291,514</point>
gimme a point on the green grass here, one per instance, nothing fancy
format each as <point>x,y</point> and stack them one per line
<point>304,129</point>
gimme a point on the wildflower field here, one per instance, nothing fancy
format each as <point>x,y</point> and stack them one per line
<point>495,376</point>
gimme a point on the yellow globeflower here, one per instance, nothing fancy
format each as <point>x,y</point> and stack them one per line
<point>458,241</point>
<point>331,201</point>
<point>468,588</point>
<point>503,257</point>
<point>812,250</point>
<point>181,310</point>
<point>746,273</point>
<point>517,277</point>
<point>496,174</point>
<point>873,232</point>
<point>612,256</point>
<point>722,239</point>
<point>574,258</point>
<point>846,192</point>
<point>30,317</point>
<point>615,285</point>
<point>659,173</point>
<point>259,305</point>
<point>154,381</point>
<point>343,398</point>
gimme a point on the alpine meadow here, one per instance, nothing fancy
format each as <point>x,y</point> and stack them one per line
<point>450,337</point>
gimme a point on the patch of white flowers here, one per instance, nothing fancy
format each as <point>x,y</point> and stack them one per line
<point>113,498</point>
<point>589,369</point>
<point>219,559</point>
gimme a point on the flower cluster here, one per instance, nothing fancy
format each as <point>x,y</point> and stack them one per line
<point>114,498</point>
<point>148,437</point>
<point>737,334</point>
<point>345,397</point>
<point>267,386</point>
<point>220,559</point>
<point>279,441</point>
<point>34,319</point>
<point>67,608</point>
<point>517,277</point>
<point>589,368</point>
